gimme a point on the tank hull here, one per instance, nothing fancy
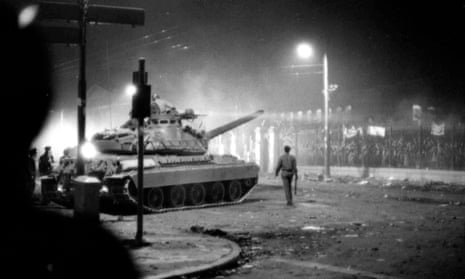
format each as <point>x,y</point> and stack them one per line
<point>175,184</point>
<point>178,172</point>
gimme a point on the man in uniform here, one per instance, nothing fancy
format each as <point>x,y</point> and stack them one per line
<point>288,166</point>
<point>66,168</point>
<point>159,105</point>
<point>46,161</point>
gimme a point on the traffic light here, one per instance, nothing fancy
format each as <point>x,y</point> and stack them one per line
<point>141,102</point>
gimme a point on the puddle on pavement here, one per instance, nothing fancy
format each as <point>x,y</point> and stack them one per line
<point>313,228</point>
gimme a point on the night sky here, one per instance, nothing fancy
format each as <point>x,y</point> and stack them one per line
<point>225,54</point>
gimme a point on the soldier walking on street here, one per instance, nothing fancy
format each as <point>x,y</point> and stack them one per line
<point>288,166</point>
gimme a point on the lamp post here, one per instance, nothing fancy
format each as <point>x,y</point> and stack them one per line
<point>305,51</point>
<point>326,100</point>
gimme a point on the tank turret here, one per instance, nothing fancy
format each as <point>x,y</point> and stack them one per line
<point>164,133</point>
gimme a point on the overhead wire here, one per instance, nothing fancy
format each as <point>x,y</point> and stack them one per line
<point>73,63</point>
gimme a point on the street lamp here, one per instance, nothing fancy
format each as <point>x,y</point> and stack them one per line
<point>305,51</point>
<point>130,90</point>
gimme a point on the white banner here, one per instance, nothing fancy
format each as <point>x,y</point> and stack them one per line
<point>377,131</point>
<point>416,113</point>
<point>438,129</point>
<point>351,132</point>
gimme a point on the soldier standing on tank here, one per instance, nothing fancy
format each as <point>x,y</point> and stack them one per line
<point>66,168</point>
<point>288,166</point>
<point>64,159</point>
<point>159,105</point>
<point>45,162</point>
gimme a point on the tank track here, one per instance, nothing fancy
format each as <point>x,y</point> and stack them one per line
<point>130,199</point>
<point>127,203</point>
<point>148,209</point>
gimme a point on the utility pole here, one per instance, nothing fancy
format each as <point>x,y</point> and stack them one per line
<point>110,101</point>
<point>327,140</point>
<point>82,85</point>
<point>140,110</point>
<point>82,13</point>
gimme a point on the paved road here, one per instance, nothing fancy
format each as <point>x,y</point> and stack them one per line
<point>338,230</point>
<point>349,229</point>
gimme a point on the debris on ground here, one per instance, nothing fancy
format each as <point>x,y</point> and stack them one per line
<point>212,232</point>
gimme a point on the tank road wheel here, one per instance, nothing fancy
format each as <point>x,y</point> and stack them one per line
<point>216,193</point>
<point>234,190</point>
<point>177,196</point>
<point>155,198</point>
<point>248,183</point>
<point>196,194</point>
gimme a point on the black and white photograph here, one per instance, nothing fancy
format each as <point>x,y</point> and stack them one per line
<point>230,139</point>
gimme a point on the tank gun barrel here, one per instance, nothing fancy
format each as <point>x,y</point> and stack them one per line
<point>227,127</point>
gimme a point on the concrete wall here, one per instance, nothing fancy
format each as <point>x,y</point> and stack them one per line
<point>457,177</point>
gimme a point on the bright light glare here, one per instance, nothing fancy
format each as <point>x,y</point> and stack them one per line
<point>88,150</point>
<point>131,89</point>
<point>304,50</point>
<point>27,15</point>
<point>104,189</point>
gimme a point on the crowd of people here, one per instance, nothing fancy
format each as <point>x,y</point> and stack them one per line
<point>398,148</point>
<point>402,149</point>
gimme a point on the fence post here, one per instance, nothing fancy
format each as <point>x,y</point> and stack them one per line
<point>297,144</point>
<point>420,146</point>
<point>390,147</point>
<point>453,145</point>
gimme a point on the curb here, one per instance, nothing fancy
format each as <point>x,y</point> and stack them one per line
<point>225,260</point>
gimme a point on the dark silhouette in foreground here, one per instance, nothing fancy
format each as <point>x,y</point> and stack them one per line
<point>36,243</point>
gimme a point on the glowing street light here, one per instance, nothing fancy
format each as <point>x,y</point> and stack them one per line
<point>305,51</point>
<point>28,15</point>
<point>130,90</point>
<point>88,150</point>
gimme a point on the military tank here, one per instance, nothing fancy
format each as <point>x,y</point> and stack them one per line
<point>179,173</point>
